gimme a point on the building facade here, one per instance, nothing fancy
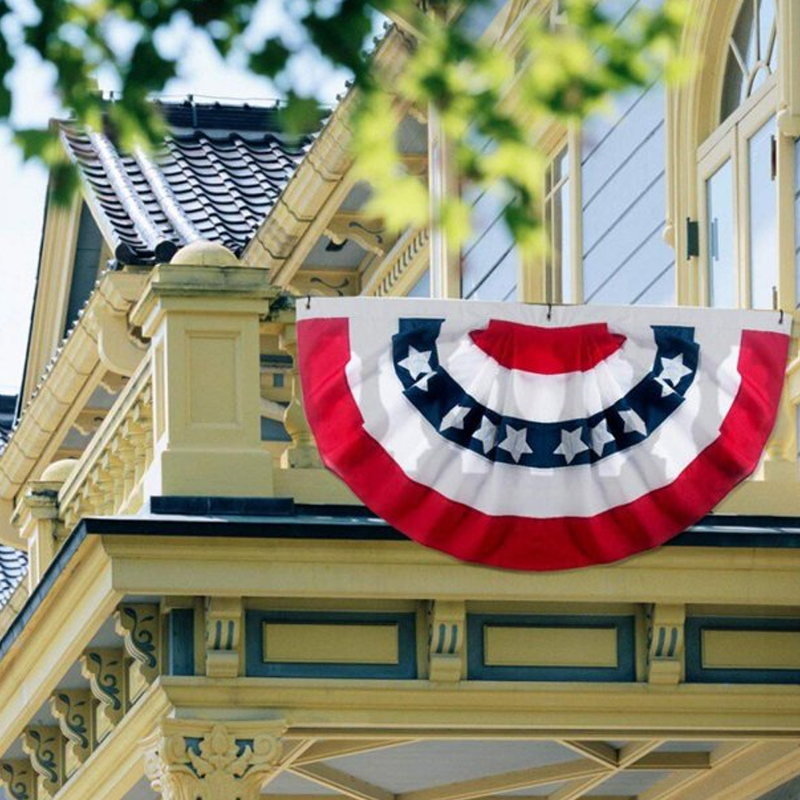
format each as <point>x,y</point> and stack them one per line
<point>193,608</point>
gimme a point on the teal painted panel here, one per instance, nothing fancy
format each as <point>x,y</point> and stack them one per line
<point>405,668</point>
<point>697,673</point>
<point>479,670</point>
<point>181,641</point>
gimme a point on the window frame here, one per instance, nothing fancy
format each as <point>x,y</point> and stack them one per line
<point>730,140</point>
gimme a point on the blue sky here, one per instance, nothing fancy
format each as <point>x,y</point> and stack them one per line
<point>23,186</point>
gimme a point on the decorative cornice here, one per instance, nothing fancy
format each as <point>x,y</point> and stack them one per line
<point>211,761</point>
<point>411,248</point>
<point>105,671</point>
<point>19,779</point>
<point>446,635</point>
<point>137,624</point>
<point>45,746</point>
<point>223,636</point>
<point>73,709</point>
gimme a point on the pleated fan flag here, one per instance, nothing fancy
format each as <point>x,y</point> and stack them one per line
<point>539,439</point>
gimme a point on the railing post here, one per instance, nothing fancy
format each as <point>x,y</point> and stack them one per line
<point>38,517</point>
<point>302,452</point>
<point>202,313</point>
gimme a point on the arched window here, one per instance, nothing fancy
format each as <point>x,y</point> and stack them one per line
<point>739,171</point>
<point>752,53</point>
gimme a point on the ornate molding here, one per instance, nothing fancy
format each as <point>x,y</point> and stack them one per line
<point>44,744</point>
<point>223,636</point>
<point>446,634</point>
<point>212,761</point>
<point>73,708</point>
<point>18,779</point>
<point>137,624</point>
<point>105,671</point>
<point>665,643</point>
<point>408,251</point>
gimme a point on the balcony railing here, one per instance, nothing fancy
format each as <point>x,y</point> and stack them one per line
<point>107,478</point>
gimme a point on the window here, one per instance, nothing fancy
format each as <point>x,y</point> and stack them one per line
<point>560,283</point>
<point>739,171</point>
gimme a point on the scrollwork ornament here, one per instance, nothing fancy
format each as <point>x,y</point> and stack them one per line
<point>222,763</point>
<point>18,779</point>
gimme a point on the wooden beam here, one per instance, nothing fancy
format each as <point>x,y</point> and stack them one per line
<point>673,761</point>
<point>634,751</point>
<point>600,752</point>
<point>761,768</point>
<point>507,781</point>
<point>336,749</point>
<point>577,789</point>
<point>342,782</point>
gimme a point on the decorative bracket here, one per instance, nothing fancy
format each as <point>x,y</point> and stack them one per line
<point>187,760</point>
<point>119,352</point>
<point>45,746</point>
<point>74,710</point>
<point>369,234</point>
<point>223,636</point>
<point>105,671</point>
<point>138,626</point>
<point>666,643</point>
<point>446,623</point>
<point>18,779</point>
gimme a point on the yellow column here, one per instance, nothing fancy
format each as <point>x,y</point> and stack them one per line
<point>202,314</point>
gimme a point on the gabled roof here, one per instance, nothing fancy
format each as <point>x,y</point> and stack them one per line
<point>216,176</point>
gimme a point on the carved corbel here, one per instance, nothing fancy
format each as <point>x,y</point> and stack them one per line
<point>367,233</point>
<point>105,671</point>
<point>44,744</point>
<point>137,624</point>
<point>223,636</point>
<point>187,760</point>
<point>18,779</point>
<point>666,643</point>
<point>446,623</point>
<point>74,711</point>
<point>119,352</point>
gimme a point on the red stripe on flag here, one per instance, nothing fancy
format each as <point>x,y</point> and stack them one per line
<point>527,543</point>
<point>547,351</point>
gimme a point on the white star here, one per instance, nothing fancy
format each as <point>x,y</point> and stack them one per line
<point>454,418</point>
<point>571,444</point>
<point>416,363</point>
<point>633,422</point>
<point>422,383</point>
<point>673,370</point>
<point>515,443</point>
<point>601,436</point>
<point>486,434</point>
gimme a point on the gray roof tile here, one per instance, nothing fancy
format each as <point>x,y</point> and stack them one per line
<point>216,176</point>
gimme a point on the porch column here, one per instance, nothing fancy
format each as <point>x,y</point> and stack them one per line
<point>202,760</point>
<point>202,312</point>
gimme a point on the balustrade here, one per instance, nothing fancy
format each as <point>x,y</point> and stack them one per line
<point>107,478</point>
